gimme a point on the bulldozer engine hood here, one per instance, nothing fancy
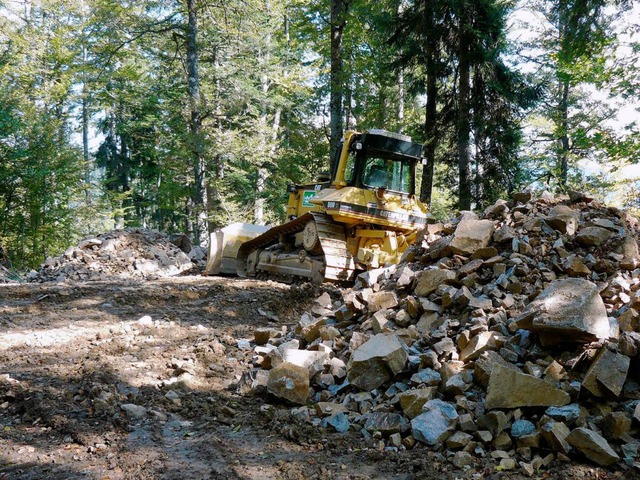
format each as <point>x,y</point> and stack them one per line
<point>355,205</point>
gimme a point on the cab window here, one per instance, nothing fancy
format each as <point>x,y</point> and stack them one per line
<point>392,175</point>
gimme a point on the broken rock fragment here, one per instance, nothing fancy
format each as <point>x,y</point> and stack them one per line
<point>593,236</point>
<point>471,235</point>
<point>436,424</point>
<point>509,388</point>
<point>607,373</point>
<point>289,382</point>
<point>431,279</point>
<point>563,219</point>
<point>593,446</point>
<point>568,310</point>
<point>376,361</point>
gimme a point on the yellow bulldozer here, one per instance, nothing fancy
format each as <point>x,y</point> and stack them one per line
<point>362,216</point>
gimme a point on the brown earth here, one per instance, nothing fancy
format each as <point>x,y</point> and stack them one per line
<point>72,354</point>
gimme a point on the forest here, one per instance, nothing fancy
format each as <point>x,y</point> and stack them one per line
<point>184,116</point>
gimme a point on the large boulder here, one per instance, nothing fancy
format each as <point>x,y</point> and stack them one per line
<point>568,310</point>
<point>470,235</point>
<point>376,361</point>
<point>509,388</point>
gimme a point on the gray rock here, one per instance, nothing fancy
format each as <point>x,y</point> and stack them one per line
<point>593,446</point>
<point>607,373</point>
<point>339,422</point>
<point>567,413</point>
<point>386,423</point>
<point>427,376</point>
<point>436,424</point>
<point>462,459</point>
<point>376,361</point>
<point>510,388</point>
<point>470,235</point>
<point>568,310</point>
<point>593,236</point>
<point>520,428</point>
<point>133,411</point>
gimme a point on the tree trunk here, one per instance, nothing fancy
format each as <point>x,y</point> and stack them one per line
<point>199,201</point>
<point>338,20</point>
<point>463,123</point>
<point>563,139</point>
<point>401,95</point>
<point>426,188</point>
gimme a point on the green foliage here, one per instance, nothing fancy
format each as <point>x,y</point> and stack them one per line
<point>264,83</point>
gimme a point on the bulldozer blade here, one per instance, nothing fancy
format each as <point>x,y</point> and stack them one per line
<point>224,244</point>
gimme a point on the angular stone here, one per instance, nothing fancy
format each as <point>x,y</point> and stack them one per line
<point>386,423</point>
<point>462,459</point>
<point>470,235</point>
<point>563,219</point>
<point>326,409</point>
<point>484,366</point>
<point>495,422</point>
<point>568,310</point>
<point>593,446</point>
<point>427,376</point>
<point>431,279</point>
<point>309,327</point>
<point>339,422</point>
<point>382,300</point>
<point>504,234</point>
<point>380,320</point>
<point>428,322</point>
<point>133,411</point>
<point>607,373</point>
<point>412,401</point>
<point>436,424</point>
<point>593,236</point>
<point>615,425</point>
<point>458,440</point>
<point>478,345</point>
<point>376,361</point>
<point>629,250</point>
<point>567,414</point>
<point>510,388</point>
<point>312,360</point>
<point>520,428</point>
<point>290,382</point>
<point>555,434</point>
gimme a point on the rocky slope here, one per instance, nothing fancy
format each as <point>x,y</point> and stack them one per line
<point>511,336</point>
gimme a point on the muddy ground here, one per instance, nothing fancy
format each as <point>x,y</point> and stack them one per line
<point>72,355</point>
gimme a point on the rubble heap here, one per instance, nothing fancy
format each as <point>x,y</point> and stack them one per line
<point>120,253</point>
<point>510,336</point>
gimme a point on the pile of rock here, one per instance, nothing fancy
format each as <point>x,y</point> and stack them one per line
<point>510,337</point>
<point>134,253</point>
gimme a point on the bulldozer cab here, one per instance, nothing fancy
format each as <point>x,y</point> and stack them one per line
<point>377,160</point>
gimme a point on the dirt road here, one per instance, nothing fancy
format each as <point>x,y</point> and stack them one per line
<point>136,380</point>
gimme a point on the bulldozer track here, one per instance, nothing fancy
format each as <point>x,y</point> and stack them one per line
<point>339,264</point>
